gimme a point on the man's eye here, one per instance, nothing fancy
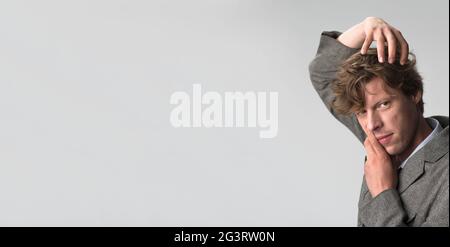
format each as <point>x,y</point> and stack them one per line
<point>385,104</point>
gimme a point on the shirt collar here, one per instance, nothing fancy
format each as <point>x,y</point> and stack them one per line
<point>434,124</point>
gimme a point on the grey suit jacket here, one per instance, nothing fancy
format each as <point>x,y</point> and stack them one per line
<point>422,195</point>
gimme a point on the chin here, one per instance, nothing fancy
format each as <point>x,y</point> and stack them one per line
<point>393,150</point>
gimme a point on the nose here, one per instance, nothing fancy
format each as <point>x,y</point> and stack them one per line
<point>373,121</point>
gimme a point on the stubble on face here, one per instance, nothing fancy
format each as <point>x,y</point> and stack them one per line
<point>393,118</point>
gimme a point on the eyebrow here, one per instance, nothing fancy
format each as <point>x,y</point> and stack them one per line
<point>387,98</point>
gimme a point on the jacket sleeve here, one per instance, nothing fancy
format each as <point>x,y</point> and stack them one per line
<point>386,210</point>
<point>323,68</point>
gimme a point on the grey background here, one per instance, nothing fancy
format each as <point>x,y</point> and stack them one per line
<point>85,138</point>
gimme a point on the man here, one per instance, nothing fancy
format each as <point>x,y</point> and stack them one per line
<point>377,94</point>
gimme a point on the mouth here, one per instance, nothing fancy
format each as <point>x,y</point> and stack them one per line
<point>385,139</point>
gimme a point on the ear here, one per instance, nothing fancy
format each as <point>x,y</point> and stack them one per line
<point>418,97</point>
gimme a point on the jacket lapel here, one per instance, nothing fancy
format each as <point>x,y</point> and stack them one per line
<point>414,168</point>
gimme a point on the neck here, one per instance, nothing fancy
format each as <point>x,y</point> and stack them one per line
<point>423,130</point>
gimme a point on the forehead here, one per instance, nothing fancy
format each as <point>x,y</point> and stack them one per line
<point>377,89</point>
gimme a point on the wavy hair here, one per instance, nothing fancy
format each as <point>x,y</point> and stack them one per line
<point>358,70</point>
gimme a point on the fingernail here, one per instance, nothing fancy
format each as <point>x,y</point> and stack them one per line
<point>391,60</point>
<point>380,59</point>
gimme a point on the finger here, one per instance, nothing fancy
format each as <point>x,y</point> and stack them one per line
<point>403,46</point>
<point>369,142</point>
<point>392,45</point>
<point>369,148</point>
<point>367,43</point>
<point>380,48</point>
<point>376,145</point>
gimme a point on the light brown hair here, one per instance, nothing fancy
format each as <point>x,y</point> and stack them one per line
<point>359,69</point>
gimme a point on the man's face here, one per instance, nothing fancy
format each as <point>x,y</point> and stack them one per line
<point>390,115</point>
